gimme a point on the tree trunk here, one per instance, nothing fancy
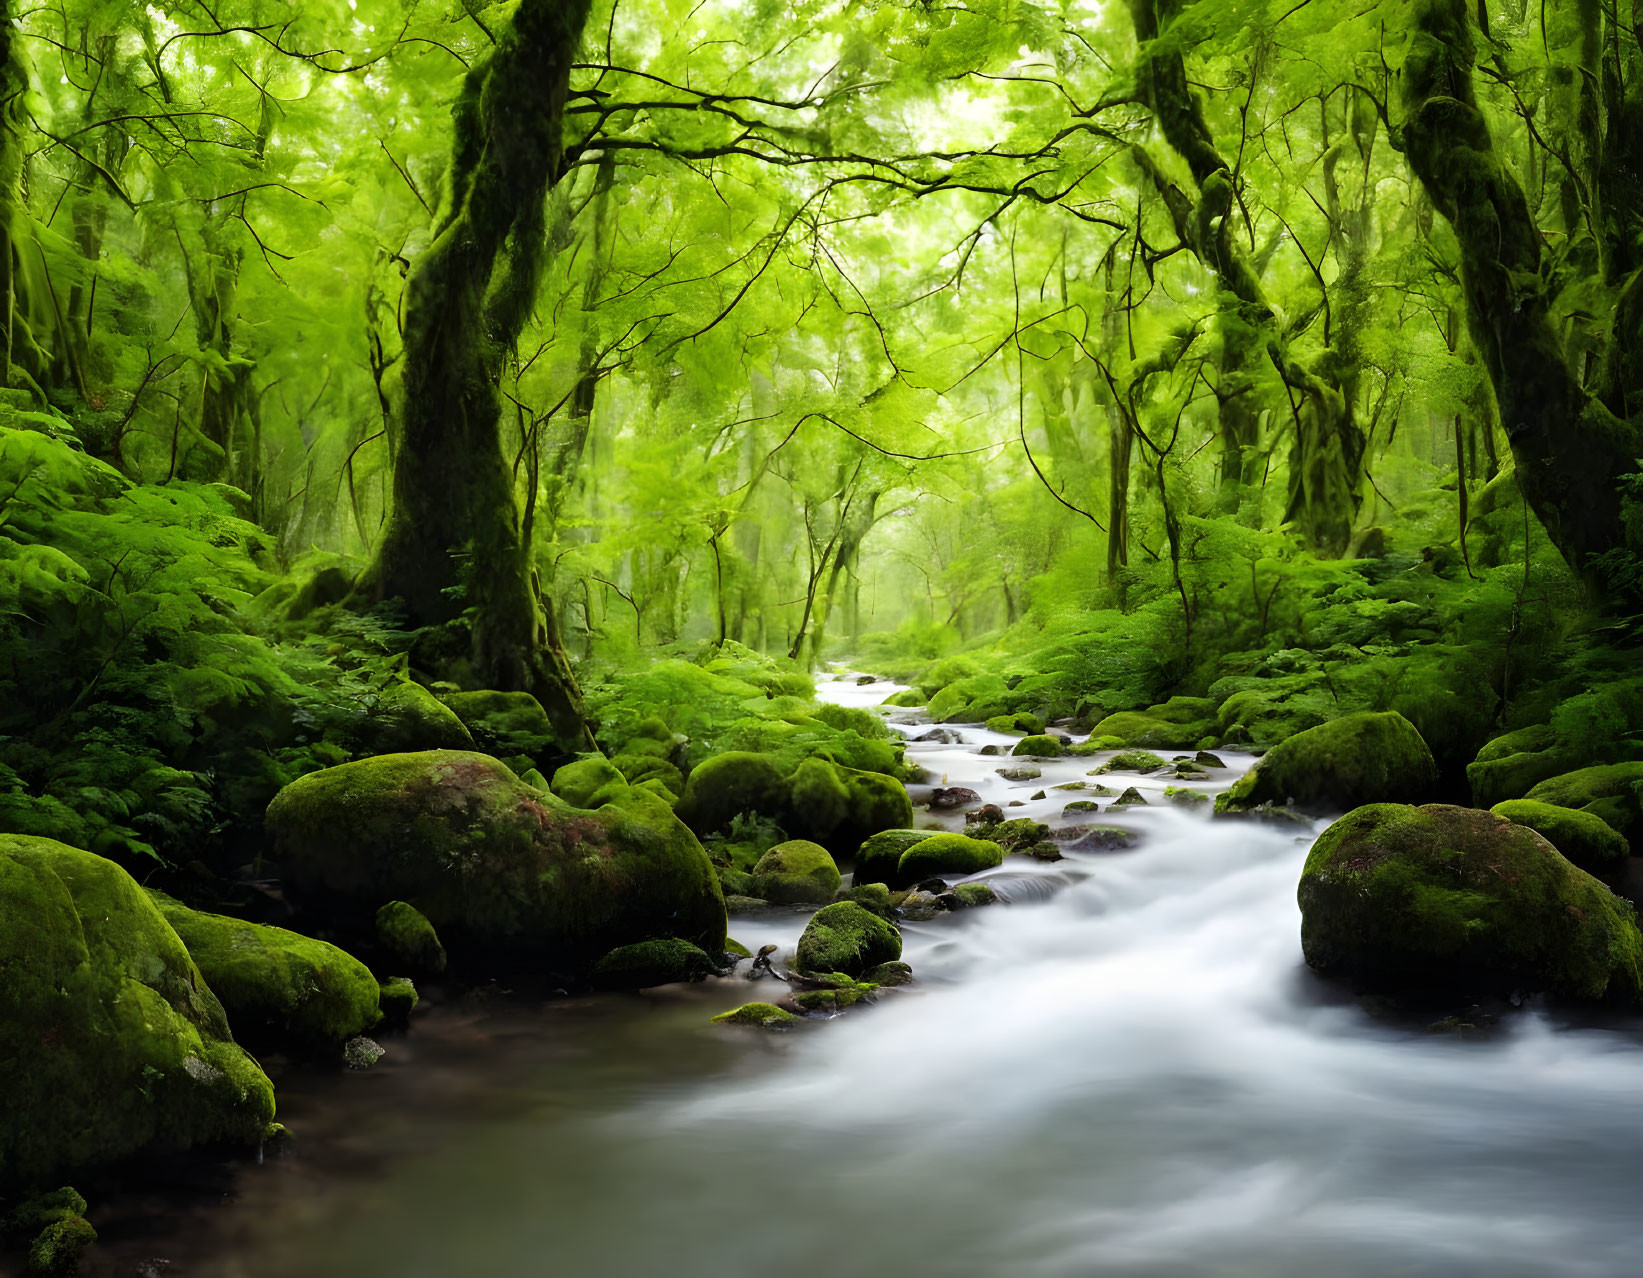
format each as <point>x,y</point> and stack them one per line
<point>453,547</point>
<point>1569,448</point>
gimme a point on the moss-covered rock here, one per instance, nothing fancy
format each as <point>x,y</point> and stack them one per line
<point>495,865</point>
<point>971,700</point>
<point>1180,721</point>
<point>908,698</point>
<point>888,974</point>
<point>1609,791</point>
<point>1359,759</point>
<point>398,999</point>
<point>758,1015</point>
<point>1186,797</point>
<point>971,895</point>
<point>39,1210</point>
<point>408,939</point>
<point>1142,761</point>
<point>879,857</point>
<point>110,1039</point>
<point>1456,899</point>
<point>947,854</point>
<point>589,782</point>
<point>277,986</point>
<point>723,787</point>
<point>1038,747</point>
<point>1586,839</point>
<point>847,938</point>
<point>797,872</point>
<point>644,964</point>
<point>506,724</point>
<point>1021,721</point>
<point>56,1251</point>
<point>639,768</point>
<point>1514,763</point>
<point>877,802</point>
<point>407,716</point>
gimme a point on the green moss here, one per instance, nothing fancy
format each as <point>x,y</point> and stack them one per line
<point>969,699</point>
<point>398,999</point>
<point>876,802</point>
<point>818,798</point>
<point>505,724</point>
<point>886,974</point>
<point>1513,764</point>
<point>1362,758</point>
<point>947,854</point>
<point>880,856</point>
<point>736,948</point>
<point>1609,791</point>
<point>656,962</point>
<point>579,783</point>
<point>1142,761</point>
<point>1021,721</point>
<point>40,1210</point>
<point>409,717</point>
<point>277,986</point>
<point>908,698</point>
<point>1180,721</point>
<point>1038,747</point>
<point>853,719</point>
<point>1015,835</point>
<point>797,872</point>
<point>759,1015</point>
<point>639,768</point>
<point>942,673</point>
<point>1095,745</point>
<point>727,785</point>
<point>1186,797</point>
<point>56,1252</point>
<point>495,865</point>
<point>1396,897</point>
<point>407,938</point>
<point>846,938</point>
<point>110,1039</point>
<point>971,895</point>
<point>1587,840</point>
<point>1080,805</point>
<point>842,992</point>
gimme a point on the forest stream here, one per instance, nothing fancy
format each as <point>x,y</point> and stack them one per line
<point>1122,1068</point>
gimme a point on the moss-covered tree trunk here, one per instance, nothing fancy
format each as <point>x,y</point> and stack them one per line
<point>1569,446</point>
<point>453,546</point>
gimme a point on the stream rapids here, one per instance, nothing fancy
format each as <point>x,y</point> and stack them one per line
<point>1125,1069</point>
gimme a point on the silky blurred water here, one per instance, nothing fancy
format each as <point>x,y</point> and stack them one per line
<point>1135,1075</point>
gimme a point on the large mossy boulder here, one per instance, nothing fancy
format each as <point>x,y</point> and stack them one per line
<point>1587,840</point>
<point>1438,898</point>
<point>879,857</point>
<point>797,872</point>
<point>841,806</point>
<point>1362,758</point>
<point>846,938</point>
<point>721,788</point>
<point>1180,721</point>
<point>646,964</point>
<point>277,986</point>
<point>407,716</point>
<point>1514,763</point>
<point>111,1041</point>
<point>496,865</point>
<point>589,782</point>
<point>947,855</point>
<point>1611,791</point>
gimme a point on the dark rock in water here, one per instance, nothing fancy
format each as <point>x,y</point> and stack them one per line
<point>1205,759</point>
<point>1130,797</point>
<point>920,907</point>
<point>398,997</point>
<point>967,896</point>
<point>986,814</point>
<point>1190,772</point>
<point>1358,759</point>
<point>1081,805</point>
<point>646,964</point>
<point>864,680</point>
<point>992,750</point>
<point>1043,851</point>
<point>1037,795</point>
<point>846,938</point>
<point>1400,899</point>
<point>1019,773</point>
<point>1018,803</point>
<point>953,797</point>
<point>879,858</point>
<point>896,973</point>
<point>361,1052</point>
<point>935,885</point>
<point>407,937</point>
<point>939,736</point>
<point>1105,838</point>
<point>745,904</point>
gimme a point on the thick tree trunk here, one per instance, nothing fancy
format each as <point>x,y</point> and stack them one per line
<point>453,547</point>
<point>1569,448</point>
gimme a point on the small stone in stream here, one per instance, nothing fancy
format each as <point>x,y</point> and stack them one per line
<point>872,896</point>
<point>896,973</point>
<point>1071,785</point>
<point>1081,805</point>
<point>1105,838</point>
<point>759,1015</point>
<point>918,907</point>
<point>1018,803</point>
<point>397,997</point>
<point>1208,760</point>
<point>970,895</point>
<point>1142,761</point>
<point>1040,795</point>
<point>1070,833</point>
<point>991,750</point>
<point>935,886</point>
<point>361,1052</point>
<point>938,736</point>
<point>1186,798</point>
<point>744,904</point>
<point>1044,851</point>
<point>863,680</point>
<point>987,813</point>
<point>953,797</point>
<point>1190,772</point>
<point>1019,773</point>
<point>1129,797</point>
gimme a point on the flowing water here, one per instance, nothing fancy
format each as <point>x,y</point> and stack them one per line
<point>1126,1069</point>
